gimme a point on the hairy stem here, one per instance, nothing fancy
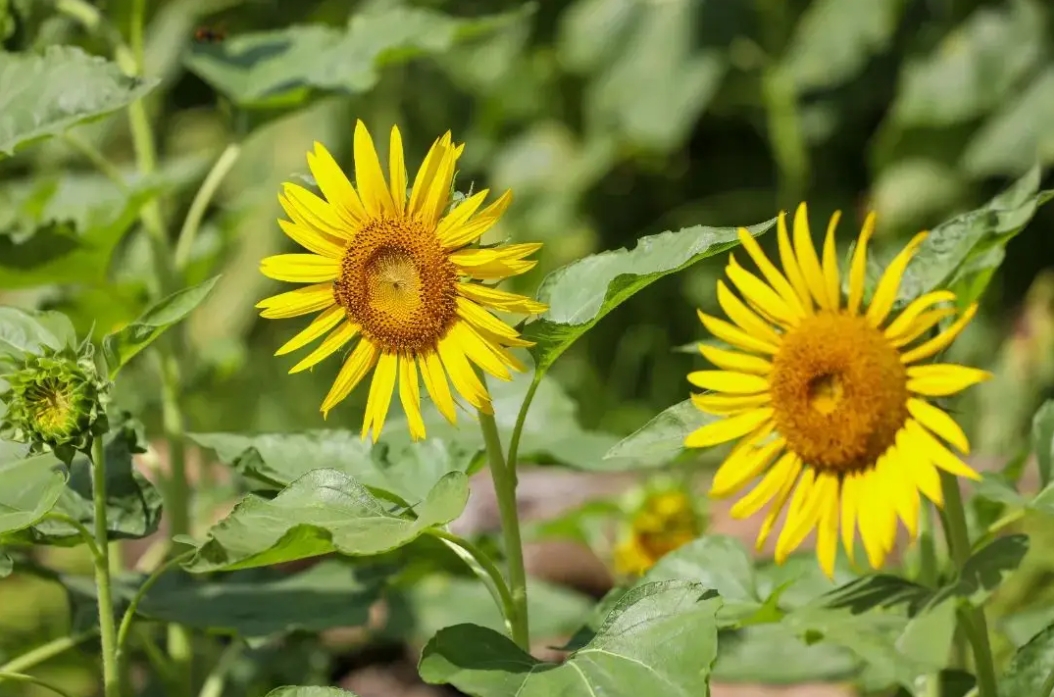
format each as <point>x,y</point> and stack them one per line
<point>107,630</point>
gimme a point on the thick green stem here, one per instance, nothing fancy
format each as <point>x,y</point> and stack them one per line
<point>505,488</point>
<point>19,677</point>
<point>44,652</point>
<point>107,629</point>
<point>485,568</point>
<point>192,223</point>
<point>972,619</point>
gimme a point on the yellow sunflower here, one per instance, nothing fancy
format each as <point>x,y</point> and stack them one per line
<point>666,521</point>
<point>829,396</point>
<point>395,273</point>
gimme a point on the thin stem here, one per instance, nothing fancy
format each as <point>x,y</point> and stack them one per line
<point>217,679</point>
<point>97,159</point>
<point>201,201</point>
<point>972,619</point>
<point>107,630</point>
<point>927,548</point>
<point>484,567</point>
<point>129,614</point>
<point>82,11</point>
<point>20,677</point>
<point>44,652</point>
<point>177,503</point>
<point>505,489</point>
<point>87,535</point>
<point>517,430</point>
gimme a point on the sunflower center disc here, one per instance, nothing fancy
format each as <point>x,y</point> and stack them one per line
<point>397,283</point>
<point>839,392</point>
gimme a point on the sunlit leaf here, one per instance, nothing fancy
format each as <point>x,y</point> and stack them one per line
<point>1043,441</point>
<point>29,489</point>
<point>580,294</point>
<point>774,654</point>
<point>45,94</point>
<point>928,636</point>
<point>28,331</point>
<point>1028,674</point>
<point>657,634</point>
<point>1015,137</point>
<point>309,691</point>
<point>121,346</point>
<point>661,439</point>
<point>322,512</point>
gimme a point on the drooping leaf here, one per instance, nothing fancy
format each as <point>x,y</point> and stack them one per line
<point>657,442</point>
<point>877,590</point>
<point>309,691</point>
<point>285,66</point>
<point>133,504</point>
<point>658,634</point>
<point>29,489</point>
<point>28,331</point>
<point>1028,674</point>
<point>322,512</point>
<point>46,94</point>
<point>582,293</point>
<point>986,569</point>
<point>121,346</point>
<point>1043,441</point>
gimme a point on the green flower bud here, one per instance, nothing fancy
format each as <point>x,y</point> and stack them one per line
<point>55,401</point>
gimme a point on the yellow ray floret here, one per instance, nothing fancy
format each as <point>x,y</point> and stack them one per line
<point>827,397</point>
<point>395,284</point>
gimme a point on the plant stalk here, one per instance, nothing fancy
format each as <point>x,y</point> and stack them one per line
<point>484,567</point>
<point>505,489</point>
<point>107,628</point>
<point>133,606</point>
<point>44,652</point>
<point>188,233</point>
<point>972,619</point>
<point>19,677</point>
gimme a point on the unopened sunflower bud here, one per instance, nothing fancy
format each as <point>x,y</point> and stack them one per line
<point>55,401</point>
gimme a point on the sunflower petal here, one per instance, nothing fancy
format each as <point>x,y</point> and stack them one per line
<point>941,341</point>
<point>436,383</point>
<point>456,233</point>
<point>427,173</point>
<point>889,284</point>
<point>410,396</point>
<point>734,335</point>
<point>464,378</point>
<point>850,501</point>
<point>477,316</point>
<point>776,280</point>
<point>312,240</point>
<point>943,379</point>
<point>940,423</point>
<point>355,368</point>
<point>908,317</point>
<point>743,316</point>
<point>309,211</point>
<point>339,192</point>
<point>804,511</point>
<point>750,462</point>
<point>938,454</point>
<point>501,300</point>
<point>479,350</point>
<point>319,326</point>
<point>457,217</point>
<point>728,428</point>
<point>770,485</point>
<point>336,340</point>
<point>727,381</point>
<point>827,530</point>
<point>789,480</point>
<point>376,197</point>
<point>925,322</point>
<point>381,388</point>
<point>761,295</point>
<point>397,176</point>
<point>297,302</point>
<point>858,265</point>
<point>736,362</point>
<point>300,268</point>
<point>806,255</point>
<point>830,269</point>
<point>790,264</point>
<point>729,404</point>
<point>437,197</point>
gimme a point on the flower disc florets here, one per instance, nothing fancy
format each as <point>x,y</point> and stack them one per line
<point>55,401</point>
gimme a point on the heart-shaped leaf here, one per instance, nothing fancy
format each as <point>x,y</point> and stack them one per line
<point>29,489</point>
<point>660,440</point>
<point>322,512</point>
<point>1029,672</point>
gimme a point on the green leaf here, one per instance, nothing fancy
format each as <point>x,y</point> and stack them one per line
<point>28,331</point>
<point>121,346</point>
<point>582,293</point>
<point>928,636</point>
<point>7,564</point>
<point>29,489</point>
<point>974,69</point>
<point>660,440</point>
<point>285,66</point>
<point>945,257</point>
<point>622,659</point>
<point>951,683</point>
<point>133,504</point>
<point>310,691</point>
<point>44,95</point>
<point>1029,673</point>
<point>322,512</point>
<point>1043,441</point>
<point>1014,138</point>
<point>986,569</point>
<point>396,466</point>
<point>773,654</point>
<point>834,39</point>
<point>877,591</point>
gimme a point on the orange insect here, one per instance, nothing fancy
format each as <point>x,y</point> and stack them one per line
<point>209,35</point>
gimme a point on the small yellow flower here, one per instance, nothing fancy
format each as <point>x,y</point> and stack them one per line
<point>828,396</point>
<point>666,521</point>
<point>396,273</point>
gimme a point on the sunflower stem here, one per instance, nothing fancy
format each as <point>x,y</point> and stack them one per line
<point>44,652</point>
<point>927,548</point>
<point>107,629</point>
<point>192,223</point>
<point>971,619</point>
<point>484,567</point>
<point>505,489</point>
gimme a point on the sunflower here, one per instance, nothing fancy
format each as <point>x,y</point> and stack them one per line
<point>666,521</point>
<point>828,397</point>
<point>394,272</point>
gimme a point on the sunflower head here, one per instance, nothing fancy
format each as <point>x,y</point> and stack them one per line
<point>394,274</point>
<point>665,521</point>
<point>55,401</point>
<point>828,397</point>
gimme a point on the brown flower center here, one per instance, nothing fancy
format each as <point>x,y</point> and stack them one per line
<point>839,392</point>
<point>397,283</point>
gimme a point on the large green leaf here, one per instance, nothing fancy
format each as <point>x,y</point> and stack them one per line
<point>44,95</point>
<point>322,512</point>
<point>986,569</point>
<point>964,252</point>
<point>1043,441</point>
<point>774,654</point>
<point>1030,671</point>
<point>29,489</point>
<point>285,66</point>
<point>660,634</point>
<point>133,504</point>
<point>657,442</point>
<point>121,346</point>
<point>580,294</point>
<point>395,465</point>
<point>1015,137</point>
<point>29,331</point>
<point>309,691</point>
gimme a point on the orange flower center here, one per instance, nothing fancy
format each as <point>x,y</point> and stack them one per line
<point>839,392</point>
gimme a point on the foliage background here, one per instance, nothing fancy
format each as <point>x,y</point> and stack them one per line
<point>610,119</point>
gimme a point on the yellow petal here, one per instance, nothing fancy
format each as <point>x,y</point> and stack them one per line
<point>436,383</point>
<point>748,463</point>
<point>477,316</point>
<point>340,336</point>
<point>804,511</point>
<point>727,381</point>
<point>925,322</point>
<point>380,399</point>
<point>784,472</point>
<point>308,210</point>
<point>902,491</point>
<point>806,255</point>
<point>923,473</point>
<point>904,321</point>
<point>743,316</point>
<point>827,530</point>
<point>943,379</point>
<point>938,454</point>
<point>319,326</point>
<point>874,517</point>
<point>464,378</point>
<point>858,266</point>
<point>397,181</point>
<point>723,404</point>
<point>495,264</point>
<point>830,265</point>
<point>339,192</point>
<point>478,350</point>
<point>500,299</point>
<point>456,232</point>
<point>351,374</point>
<point>789,480</point>
<point>300,268</point>
<point>790,264</point>
<point>313,241</point>
<point>940,423</point>
<point>426,174</point>
<point>851,499</point>
<point>736,362</point>
<point>761,295</point>
<point>727,429</point>
<point>776,279</point>
<point>941,341</point>
<point>460,214</point>
<point>734,335</point>
<point>297,302</point>
<point>889,284</point>
<point>410,396</point>
<point>376,197</point>
<point>437,196</point>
